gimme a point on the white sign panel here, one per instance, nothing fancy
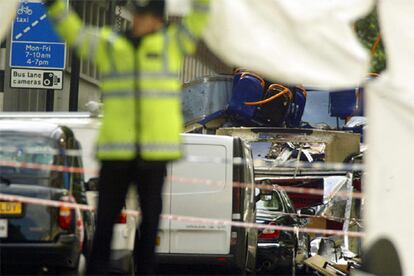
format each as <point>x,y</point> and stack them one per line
<point>43,79</point>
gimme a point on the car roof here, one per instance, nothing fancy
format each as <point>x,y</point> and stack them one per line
<point>29,127</point>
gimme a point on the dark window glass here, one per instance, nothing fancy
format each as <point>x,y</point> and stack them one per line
<point>1,81</point>
<point>18,148</point>
<point>270,201</point>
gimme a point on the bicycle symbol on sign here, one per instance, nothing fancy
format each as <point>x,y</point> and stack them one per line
<point>24,10</point>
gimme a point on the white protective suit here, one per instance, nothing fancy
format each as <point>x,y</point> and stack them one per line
<point>292,41</point>
<point>389,188</point>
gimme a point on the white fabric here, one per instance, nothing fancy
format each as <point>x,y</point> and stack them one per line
<point>331,186</point>
<point>178,7</point>
<point>397,25</point>
<point>293,41</point>
<point>7,13</point>
<point>389,187</point>
<point>356,121</point>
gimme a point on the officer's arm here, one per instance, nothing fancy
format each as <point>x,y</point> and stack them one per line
<point>89,42</point>
<point>192,26</point>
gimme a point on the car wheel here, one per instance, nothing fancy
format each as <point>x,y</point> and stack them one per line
<point>264,267</point>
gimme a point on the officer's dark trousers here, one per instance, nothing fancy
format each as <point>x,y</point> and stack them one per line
<point>115,177</point>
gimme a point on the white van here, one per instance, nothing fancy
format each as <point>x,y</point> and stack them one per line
<point>209,159</point>
<point>216,159</point>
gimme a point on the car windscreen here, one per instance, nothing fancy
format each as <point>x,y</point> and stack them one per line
<point>270,202</point>
<point>17,151</point>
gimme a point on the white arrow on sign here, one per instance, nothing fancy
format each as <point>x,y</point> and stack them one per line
<point>34,24</point>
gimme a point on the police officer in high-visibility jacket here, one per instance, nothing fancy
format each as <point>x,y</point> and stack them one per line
<point>141,111</point>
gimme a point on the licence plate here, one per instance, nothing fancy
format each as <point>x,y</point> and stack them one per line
<point>3,228</point>
<point>10,208</point>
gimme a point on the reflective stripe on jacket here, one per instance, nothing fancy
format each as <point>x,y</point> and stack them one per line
<point>140,86</point>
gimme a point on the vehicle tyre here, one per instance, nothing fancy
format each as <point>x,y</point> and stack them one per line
<point>265,267</point>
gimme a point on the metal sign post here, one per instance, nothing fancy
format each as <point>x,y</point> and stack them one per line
<point>37,54</point>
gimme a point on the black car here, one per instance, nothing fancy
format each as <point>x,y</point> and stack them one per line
<point>277,250</point>
<point>51,238</point>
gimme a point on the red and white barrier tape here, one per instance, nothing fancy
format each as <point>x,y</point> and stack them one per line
<point>202,159</point>
<point>39,150</point>
<point>47,167</point>
<point>269,187</point>
<point>53,203</point>
<point>46,202</point>
<point>184,180</point>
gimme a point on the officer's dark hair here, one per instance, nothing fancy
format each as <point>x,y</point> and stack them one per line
<point>153,7</point>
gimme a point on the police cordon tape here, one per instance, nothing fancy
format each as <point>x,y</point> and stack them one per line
<point>171,217</point>
<point>271,163</point>
<point>206,182</point>
<point>47,167</point>
<point>269,187</point>
<point>202,159</point>
<point>40,150</point>
<point>184,180</point>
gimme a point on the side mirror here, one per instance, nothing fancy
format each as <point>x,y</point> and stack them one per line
<point>307,211</point>
<point>92,184</point>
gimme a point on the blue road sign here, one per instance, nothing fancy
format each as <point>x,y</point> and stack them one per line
<point>34,43</point>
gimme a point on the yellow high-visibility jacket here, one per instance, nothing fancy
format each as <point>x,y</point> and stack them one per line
<point>140,86</point>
